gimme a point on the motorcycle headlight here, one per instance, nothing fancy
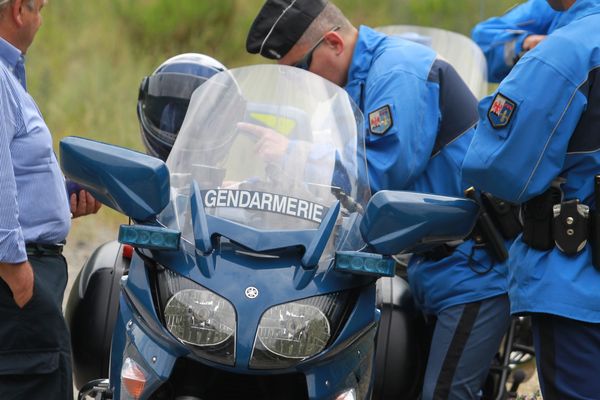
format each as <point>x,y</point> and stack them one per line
<point>198,317</point>
<point>291,332</point>
<point>294,330</point>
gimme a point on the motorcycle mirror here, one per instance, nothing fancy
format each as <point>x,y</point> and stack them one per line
<point>402,222</point>
<point>130,182</point>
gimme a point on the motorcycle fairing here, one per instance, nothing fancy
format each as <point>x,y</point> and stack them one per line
<point>233,272</point>
<point>325,378</point>
<point>313,241</point>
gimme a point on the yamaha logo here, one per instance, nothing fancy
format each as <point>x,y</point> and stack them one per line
<point>251,292</point>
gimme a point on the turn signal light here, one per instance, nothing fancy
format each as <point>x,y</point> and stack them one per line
<point>133,379</point>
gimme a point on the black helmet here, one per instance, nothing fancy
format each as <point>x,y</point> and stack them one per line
<point>165,95</point>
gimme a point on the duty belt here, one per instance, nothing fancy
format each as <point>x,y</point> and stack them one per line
<point>43,249</point>
<point>549,222</point>
<point>566,225</point>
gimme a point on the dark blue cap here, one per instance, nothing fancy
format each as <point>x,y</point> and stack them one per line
<point>279,25</point>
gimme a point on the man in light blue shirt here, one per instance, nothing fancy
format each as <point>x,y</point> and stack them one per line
<point>35,217</point>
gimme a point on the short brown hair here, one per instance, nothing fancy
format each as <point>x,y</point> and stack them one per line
<point>328,18</point>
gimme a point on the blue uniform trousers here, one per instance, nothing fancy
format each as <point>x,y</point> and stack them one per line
<point>568,357</point>
<point>35,355</point>
<point>465,337</point>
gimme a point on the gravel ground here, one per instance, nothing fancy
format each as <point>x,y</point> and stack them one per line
<point>530,389</point>
<point>88,233</point>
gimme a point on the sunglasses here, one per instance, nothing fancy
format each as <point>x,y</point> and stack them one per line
<point>305,61</point>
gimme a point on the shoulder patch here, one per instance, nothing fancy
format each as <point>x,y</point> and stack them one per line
<point>380,120</point>
<point>501,111</point>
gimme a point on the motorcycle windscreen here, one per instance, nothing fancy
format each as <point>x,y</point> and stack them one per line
<point>272,148</point>
<point>458,50</point>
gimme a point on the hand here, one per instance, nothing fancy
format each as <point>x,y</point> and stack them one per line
<point>271,145</point>
<point>19,278</point>
<point>83,204</point>
<point>531,41</point>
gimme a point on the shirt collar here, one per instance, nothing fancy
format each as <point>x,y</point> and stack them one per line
<point>13,60</point>
<point>364,51</point>
<point>9,54</point>
<point>580,9</point>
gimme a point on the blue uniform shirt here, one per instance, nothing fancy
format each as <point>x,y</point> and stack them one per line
<point>501,38</point>
<point>544,123</point>
<point>33,200</point>
<point>417,134</point>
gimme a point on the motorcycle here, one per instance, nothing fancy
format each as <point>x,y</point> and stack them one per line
<point>250,272</point>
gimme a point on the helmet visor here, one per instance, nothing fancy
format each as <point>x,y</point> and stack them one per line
<point>164,100</point>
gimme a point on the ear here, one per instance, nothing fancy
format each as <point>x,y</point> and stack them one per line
<point>16,12</point>
<point>335,41</point>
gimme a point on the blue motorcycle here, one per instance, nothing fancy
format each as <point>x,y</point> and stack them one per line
<point>251,264</point>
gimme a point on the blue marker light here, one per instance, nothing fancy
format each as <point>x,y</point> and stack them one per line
<point>364,263</point>
<point>149,237</point>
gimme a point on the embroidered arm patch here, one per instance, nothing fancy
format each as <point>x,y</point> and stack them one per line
<point>501,111</point>
<point>380,120</point>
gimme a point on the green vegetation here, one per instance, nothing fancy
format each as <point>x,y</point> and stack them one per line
<point>88,60</point>
<point>85,67</point>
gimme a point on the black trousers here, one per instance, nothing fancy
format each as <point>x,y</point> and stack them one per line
<point>35,350</point>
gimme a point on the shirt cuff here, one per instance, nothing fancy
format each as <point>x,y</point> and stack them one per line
<point>519,46</point>
<point>12,246</point>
